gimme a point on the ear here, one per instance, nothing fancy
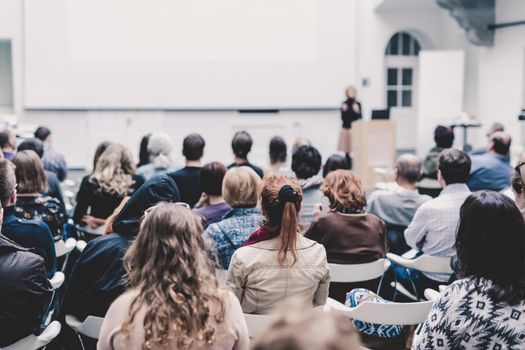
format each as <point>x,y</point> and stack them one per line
<point>12,198</point>
<point>441,180</point>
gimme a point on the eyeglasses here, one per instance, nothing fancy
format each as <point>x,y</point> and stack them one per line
<point>518,167</point>
<point>182,204</point>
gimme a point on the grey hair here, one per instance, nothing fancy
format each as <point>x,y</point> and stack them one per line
<point>159,149</point>
<point>409,167</point>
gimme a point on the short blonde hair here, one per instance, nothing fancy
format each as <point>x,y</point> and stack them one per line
<point>240,187</point>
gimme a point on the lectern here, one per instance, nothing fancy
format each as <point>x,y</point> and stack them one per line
<point>373,146</point>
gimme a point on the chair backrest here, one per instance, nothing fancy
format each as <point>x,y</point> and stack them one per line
<point>257,324</point>
<point>33,342</point>
<point>57,280</point>
<point>63,248</point>
<point>424,263</point>
<point>90,327</point>
<point>357,272</point>
<point>385,313</point>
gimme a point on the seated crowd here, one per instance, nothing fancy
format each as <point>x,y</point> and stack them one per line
<point>178,251</point>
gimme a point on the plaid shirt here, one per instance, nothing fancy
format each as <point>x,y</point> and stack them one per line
<point>433,229</point>
<point>234,229</point>
<point>54,162</point>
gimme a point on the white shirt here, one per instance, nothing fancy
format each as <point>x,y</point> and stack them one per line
<point>433,229</point>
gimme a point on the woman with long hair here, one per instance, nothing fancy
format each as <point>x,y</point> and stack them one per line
<point>113,179</point>
<point>485,308</point>
<point>174,301</point>
<point>277,262</point>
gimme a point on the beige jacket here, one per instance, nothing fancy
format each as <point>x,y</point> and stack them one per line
<point>230,334</point>
<point>261,284</point>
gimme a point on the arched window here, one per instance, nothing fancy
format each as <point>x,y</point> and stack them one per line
<point>402,44</point>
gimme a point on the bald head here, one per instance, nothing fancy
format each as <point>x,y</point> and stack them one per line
<point>500,143</point>
<point>408,168</point>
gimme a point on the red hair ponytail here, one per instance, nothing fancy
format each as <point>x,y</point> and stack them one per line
<point>288,233</point>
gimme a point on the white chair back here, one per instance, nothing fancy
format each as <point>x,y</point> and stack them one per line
<point>257,324</point>
<point>431,294</point>
<point>63,248</point>
<point>357,272</point>
<point>81,245</point>
<point>90,327</point>
<point>381,313</point>
<point>57,280</point>
<point>424,263</point>
<point>33,342</point>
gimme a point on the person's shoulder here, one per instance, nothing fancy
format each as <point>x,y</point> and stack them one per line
<point>31,225</point>
<point>51,176</point>
<point>107,244</point>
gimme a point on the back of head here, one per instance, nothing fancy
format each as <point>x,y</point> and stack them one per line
<point>495,128</point>
<point>98,152</point>
<point>159,149</point>
<point>490,243</point>
<point>281,198</point>
<point>306,162</point>
<point>309,329</point>
<point>454,166</point>
<point>242,144</point>
<point>277,150</point>
<point>157,189</point>
<point>193,147</point>
<point>212,175</point>
<point>167,264</point>
<point>7,181</point>
<point>240,187</point>
<point>114,169</point>
<point>444,136</point>
<point>34,145</point>
<point>517,179</point>
<point>5,138</point>
<point>29,173</point>
<point>334,162</point>
<point>42,133</point>
<point>408,168</point>
<point>344,191</point>
<point>500,142</point>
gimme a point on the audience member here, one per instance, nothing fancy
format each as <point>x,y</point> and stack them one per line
<point>496,127</point>
<point>160,163</point>
<point>25,293</point>
<point>32,234</point>
<point>485,309</point>
<point>491,170</point>
<point>240,189</point>
<point>53,184</point>
<point>306,163</point>
<point>518,186</point>
<point>113,179</point>
<point>334,162</point>
<point>8,144</point>
<point>349,234</point>
<point>278,156</point>
<point>351,111</point>
<point>309,329</point>
<point>277,262</point>
<point>53,161</point>
<point>241,146</point>
<point>174,300</point>
<point>143,151</point>
<point>30,203</point>
<point>97,278</point>
<point>108,228</point>
<point>101,148</point>
<point>212,206</point>
<point>444,138</point>
<point>433,229</point>
<point>396,206</point>
<point>188,178</point>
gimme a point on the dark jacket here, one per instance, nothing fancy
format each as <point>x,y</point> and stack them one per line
<point>31,234</point>
<point>98,276</point>
<point>348,115</point>
<point>25,291</point>
<point>254,167</point>
<point>54,190</point>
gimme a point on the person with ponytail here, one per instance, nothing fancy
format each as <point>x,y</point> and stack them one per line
<point>277,262</point>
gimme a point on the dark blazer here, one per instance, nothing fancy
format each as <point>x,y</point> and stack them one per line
<point>255,168</point>
<point>348,115</point>
<point>25,291</point>
<point>98,276</point>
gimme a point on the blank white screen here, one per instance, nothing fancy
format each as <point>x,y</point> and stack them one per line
<point>187,54</point>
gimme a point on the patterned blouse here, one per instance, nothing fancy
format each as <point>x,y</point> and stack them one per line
<point>42,208</point>
<point>466,317</point>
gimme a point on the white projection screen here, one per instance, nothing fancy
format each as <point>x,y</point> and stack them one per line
<point>187,54</point>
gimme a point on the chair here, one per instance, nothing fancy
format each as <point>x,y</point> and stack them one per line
<point>63,249</point>
<point>349,273</point>
<point>90,327</point>
<point>81,245</point>
<point>402,314</point>
<point>57,280</point>
<point>257,324</point>
<point>34,342</point>
<point>432,294</point>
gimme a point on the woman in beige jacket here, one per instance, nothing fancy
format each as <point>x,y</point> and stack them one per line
<point>277,262</point>
<point>174,301</point>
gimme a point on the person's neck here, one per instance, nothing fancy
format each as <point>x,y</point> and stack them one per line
<point>407,185</point>
<point>238,160</point>
<point>213,200</point>
<point>194,163</point>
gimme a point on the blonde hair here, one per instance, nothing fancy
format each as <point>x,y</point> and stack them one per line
<point>169,266</point>
<point>344,190</point>
<point>29,173</point>
<point>113,171</point>
<point>240,187</point>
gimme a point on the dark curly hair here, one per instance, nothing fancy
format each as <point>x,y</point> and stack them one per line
<point>490,243</point>
<point>306,162</point>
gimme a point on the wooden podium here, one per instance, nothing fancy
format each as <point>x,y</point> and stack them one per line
<point>373,146</point>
